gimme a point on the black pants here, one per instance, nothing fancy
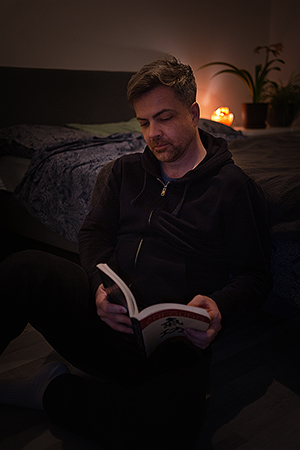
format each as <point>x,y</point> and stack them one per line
<point>157,402</point>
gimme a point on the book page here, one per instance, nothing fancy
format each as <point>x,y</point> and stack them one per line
<point>114,293</point>
<point>110,278</point>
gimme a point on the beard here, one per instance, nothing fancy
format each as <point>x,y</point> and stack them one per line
<point>166,151</point>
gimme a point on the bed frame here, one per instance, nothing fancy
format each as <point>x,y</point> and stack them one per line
<point>56,97</point>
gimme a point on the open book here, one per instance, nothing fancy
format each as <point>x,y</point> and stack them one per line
<point>157,323</point>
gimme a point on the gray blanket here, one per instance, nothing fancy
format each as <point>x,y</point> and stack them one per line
<point>273,161</point>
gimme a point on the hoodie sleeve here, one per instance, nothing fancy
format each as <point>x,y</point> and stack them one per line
<point>97,237</point>
<point>249,249</point>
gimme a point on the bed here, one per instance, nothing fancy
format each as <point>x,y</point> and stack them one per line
<point>36,104</point>
<point>60,130</point>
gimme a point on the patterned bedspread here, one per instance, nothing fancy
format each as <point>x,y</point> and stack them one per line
<point>58,184</point>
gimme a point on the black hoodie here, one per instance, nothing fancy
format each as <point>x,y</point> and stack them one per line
<point>205,233</point>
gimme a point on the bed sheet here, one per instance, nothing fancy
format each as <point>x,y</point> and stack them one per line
<point>12,170</point>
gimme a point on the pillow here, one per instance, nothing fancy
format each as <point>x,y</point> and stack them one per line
<point>106,129</point>
<point>132,125</point>
<point>24,140</point>
<point>219,130</point>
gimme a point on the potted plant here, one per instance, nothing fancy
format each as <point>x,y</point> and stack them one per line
<point>284,102</point>
<point>254,114</point>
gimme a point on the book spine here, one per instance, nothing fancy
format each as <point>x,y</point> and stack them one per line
<point>137,330</point>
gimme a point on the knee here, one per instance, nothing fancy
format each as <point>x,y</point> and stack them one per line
<point>35,267</point>
<point>18,276</point>
<point>39,275</point>
<point>23,263</point>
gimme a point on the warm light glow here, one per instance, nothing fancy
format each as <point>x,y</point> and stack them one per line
<point>223,115</point>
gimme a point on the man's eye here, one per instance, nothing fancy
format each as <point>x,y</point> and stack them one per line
<point>165,119</point>
<point>144,124</point>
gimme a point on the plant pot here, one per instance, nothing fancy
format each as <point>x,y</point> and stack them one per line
<point>254,115</point>
<point>282,114</point>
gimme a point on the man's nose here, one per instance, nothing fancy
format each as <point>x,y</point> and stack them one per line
<point>154,130</point>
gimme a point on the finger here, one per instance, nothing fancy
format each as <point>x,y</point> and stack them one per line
<point>200,339</point>
<point>117,326</point>
<point>110,308</point>
<point>114,315</point>
<point>117,318</point>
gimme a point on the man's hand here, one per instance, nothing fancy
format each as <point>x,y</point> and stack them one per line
<point>113,315</point>
<point>202,339</point>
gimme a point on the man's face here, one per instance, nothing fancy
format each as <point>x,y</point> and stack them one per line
<point>168,126</point>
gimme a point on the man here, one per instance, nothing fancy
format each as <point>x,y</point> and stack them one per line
<point>179,222</point>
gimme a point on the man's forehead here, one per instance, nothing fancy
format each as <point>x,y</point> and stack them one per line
<point>156,102</point>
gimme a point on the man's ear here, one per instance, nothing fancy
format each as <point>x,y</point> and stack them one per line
<point>195,113</point>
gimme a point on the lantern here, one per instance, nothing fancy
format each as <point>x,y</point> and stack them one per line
<point>223,115</point>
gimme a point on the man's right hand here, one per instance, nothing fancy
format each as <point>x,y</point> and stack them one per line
<point>113,315</point>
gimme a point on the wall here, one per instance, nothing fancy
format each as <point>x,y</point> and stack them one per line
<point>124,35</point>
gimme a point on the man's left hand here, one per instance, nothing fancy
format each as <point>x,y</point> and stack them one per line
<point>203,339</point>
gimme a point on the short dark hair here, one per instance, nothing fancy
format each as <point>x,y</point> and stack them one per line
<point>164,72</point>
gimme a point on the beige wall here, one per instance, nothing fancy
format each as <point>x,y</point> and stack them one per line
<point>123,35</point>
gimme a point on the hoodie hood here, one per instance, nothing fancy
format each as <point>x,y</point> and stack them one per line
<point>217,155</point>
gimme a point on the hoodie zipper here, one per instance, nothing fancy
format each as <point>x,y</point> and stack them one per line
<point>163,192</point>
<point>135,260</point>
<point>138,251</point>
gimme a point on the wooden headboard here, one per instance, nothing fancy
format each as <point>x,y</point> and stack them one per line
<point>58,97</point>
